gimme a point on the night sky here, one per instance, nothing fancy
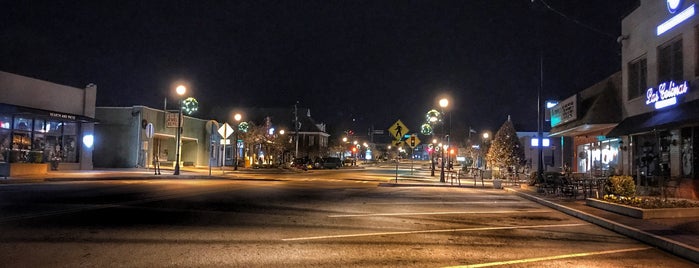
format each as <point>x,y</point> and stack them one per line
<point>353,63</point>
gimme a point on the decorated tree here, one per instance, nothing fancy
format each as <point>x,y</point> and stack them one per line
<point>506,150</point>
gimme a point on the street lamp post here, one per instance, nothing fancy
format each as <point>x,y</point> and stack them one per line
<point>486,136</point>
<point>237,118</point>
<point>180,91</point>
<point>444,103</point>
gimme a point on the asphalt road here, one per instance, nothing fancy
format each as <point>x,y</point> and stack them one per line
<point>335,218</point>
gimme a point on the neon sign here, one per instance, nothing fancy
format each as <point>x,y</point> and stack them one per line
<point>673,5</point>
<point>675,20</point>
<point>666,94</point>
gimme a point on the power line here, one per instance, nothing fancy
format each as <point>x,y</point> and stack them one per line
<point>576,21</point>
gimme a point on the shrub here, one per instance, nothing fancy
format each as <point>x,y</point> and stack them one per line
<point>621,186</point>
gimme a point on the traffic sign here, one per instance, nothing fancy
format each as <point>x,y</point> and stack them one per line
<point>226,130</point>
<point>397,143</point>
<point>398,129</point>
<point>412,141</point>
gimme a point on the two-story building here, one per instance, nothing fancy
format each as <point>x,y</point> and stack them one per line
<point>660,94</point>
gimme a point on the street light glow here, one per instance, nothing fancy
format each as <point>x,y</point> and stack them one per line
<point>443,103</point>
<point>486,135</point>
<point>237,117</point>
<point>180,90</point>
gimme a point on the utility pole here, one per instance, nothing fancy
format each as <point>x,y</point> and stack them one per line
<point>296,127</point>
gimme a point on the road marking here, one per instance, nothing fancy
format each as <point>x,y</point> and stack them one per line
<point>438,213</point>
<point>447,202</point>
<point>435,231</point>
<point>567,256</point>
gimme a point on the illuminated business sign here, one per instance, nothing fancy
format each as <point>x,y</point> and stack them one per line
<point>666,94</point>
<point>545,142</point>
<point>672,7</point>
<point>565,111</point>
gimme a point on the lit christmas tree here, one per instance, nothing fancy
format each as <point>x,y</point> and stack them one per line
<point>506,150</point>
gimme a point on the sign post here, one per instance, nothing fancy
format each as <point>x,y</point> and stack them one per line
<point>397,131</point>
<point>225,132</point>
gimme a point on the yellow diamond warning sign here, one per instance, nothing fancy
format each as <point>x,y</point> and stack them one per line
<point>397,130</point>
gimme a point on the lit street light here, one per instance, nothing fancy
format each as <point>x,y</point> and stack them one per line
<point>444,103</point>
<point>180,92</point>
<point>237,118</point>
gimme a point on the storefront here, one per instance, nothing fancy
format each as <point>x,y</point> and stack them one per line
<point>30,135</point>
<point>586,118</point>
<point>44,125</point>
<point>663,143</point>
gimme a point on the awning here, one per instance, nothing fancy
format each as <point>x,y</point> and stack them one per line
<point>22,110</point>
<point>602,113</point>
<point>660,119</point>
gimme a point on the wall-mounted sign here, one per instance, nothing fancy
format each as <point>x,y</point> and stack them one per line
<point>666,94</point>
<point>565,111</point>
<point>672,7</point>
<point>171,120</point>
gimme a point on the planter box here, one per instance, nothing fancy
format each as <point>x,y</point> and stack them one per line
<point>656,213</point>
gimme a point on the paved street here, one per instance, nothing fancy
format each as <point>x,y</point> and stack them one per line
<point>329,218</point>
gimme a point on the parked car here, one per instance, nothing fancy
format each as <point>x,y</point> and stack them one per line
<point>332,162</point>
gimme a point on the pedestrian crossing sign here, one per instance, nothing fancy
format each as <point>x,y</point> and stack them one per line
<point>397,130</point>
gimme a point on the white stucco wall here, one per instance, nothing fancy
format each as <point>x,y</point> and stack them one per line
<point>639,28</point>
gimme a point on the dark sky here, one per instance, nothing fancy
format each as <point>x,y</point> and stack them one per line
<point>372,61</point>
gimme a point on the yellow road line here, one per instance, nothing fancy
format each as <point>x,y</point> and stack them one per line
<point>434,231</point>
<point>438,213</point>
<point>566,256</point>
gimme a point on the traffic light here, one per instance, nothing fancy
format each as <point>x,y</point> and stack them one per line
<point>354,149</point>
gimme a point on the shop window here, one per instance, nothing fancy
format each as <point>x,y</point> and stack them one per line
<point>670,62</point>
<point>23,123</point>
<point>4,145</point>
<point>69,142</point>
<point>638,72</point>
<point>40,125</point>
<point>5,121</point>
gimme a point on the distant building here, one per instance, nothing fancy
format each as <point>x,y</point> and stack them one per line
<point>43,122</point>
<point>312,136</point>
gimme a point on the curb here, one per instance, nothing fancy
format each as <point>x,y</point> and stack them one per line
<point>672,246</point>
